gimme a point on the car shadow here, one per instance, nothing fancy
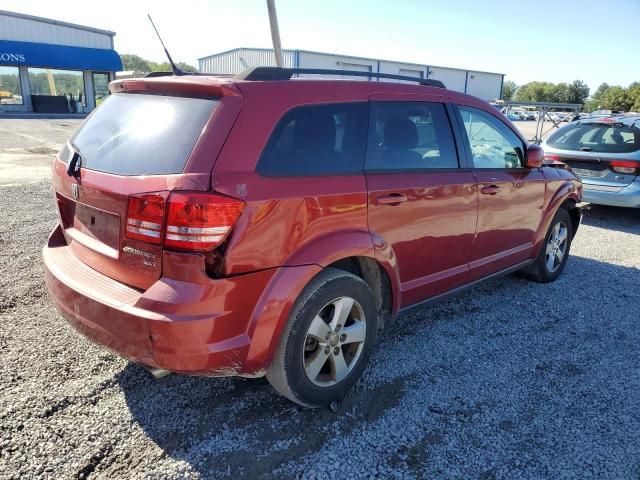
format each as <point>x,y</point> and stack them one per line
<point>612,218</point>
<point>241,428</point>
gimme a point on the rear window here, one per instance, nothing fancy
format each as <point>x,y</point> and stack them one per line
<point>597,137</point>
<point>131,134</point>
<point>317,140</point>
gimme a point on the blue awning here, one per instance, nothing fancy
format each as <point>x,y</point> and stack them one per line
<point>47,55</point>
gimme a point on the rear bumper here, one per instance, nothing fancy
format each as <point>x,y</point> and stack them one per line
<point>628,196</point>
<point>188,327</point>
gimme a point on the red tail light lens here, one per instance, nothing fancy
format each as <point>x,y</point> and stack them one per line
<point>551,157</point>
<point>624,166</point>
<point>200,221</point>
<point>145,214</point>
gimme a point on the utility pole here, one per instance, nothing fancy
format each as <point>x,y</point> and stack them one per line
<point>275,32</point>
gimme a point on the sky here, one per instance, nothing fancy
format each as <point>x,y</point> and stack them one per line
<point>547,40</point>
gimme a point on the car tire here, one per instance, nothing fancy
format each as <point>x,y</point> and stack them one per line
<point>325,334</point>
<point>557,242</point>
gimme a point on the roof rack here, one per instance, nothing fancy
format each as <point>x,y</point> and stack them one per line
<point>280,73</point>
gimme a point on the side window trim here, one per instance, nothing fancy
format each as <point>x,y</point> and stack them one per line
<point>467,144</point>
<point>465,160</point>
<point>371,133</point>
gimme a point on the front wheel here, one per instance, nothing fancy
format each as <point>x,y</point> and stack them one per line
<point>327,342</point>
<point>554,252</point>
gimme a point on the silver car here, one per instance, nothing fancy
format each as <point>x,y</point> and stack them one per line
<point>605,153</point>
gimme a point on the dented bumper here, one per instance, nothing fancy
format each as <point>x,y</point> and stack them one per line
<point>177,325</point>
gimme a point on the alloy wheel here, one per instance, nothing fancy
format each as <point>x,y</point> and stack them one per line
<point>556,247</point>
<point>334,341</point>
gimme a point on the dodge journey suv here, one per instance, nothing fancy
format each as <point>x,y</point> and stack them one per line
<point>263,225</point>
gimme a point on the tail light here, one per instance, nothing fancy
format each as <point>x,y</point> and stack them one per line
<point>200,221</point>
<point>552,158</point>
<point>624,166</point>
<point>145,214</point>
<point>194,221</point>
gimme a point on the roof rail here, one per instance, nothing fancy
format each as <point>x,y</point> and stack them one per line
<point>279,73</point>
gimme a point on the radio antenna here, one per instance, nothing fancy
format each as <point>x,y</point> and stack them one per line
<point>174,68</point>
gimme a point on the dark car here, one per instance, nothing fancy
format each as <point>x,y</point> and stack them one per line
<point>266,226</point>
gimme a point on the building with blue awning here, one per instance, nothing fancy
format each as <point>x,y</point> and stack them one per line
<point>50,66</point>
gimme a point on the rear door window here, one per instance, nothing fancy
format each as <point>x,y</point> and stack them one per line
<point>317,140</point>
<point>597,137</point>
<point>132,134</point>
<point>410,136</point>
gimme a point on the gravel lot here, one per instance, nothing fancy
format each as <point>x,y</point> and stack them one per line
<point>510,380</point>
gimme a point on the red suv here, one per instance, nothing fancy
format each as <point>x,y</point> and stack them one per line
<point>263,225</point>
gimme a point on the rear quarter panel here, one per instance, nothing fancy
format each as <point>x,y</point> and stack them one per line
<point>287,220</point>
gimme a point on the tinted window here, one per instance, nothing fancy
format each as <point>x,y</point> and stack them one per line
<point>493,144</point>
<point>317,140</point>
<point>409,136</point>
<point>142,134</point>
<point>597,137</point>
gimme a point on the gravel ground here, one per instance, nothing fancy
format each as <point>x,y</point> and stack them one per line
<point>510,380</point>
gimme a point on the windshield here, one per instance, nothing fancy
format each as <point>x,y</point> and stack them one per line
<point>131,134</point>
<point>597,137</point>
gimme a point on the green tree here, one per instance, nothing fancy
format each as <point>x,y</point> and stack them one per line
<point>578,92</point>
<point>139,64</point>
<point>508,90</point>
<point>634,96</point>
<point>617,98</point>
<point>165,67</point>
<point>185,67</point>
<point>595,102</point>
<point>135,63</point>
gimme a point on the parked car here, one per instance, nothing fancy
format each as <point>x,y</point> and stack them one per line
<point>516,115</point>
<point>265,226</point>
<point>605,153</point>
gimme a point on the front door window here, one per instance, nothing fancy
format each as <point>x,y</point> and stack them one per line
<point>493,144</point>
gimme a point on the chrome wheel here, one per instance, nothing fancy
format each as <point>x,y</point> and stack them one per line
<point>556,247</point>
<point>334,341</point>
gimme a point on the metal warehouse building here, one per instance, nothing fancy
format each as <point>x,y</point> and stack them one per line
<point>485,85</point>
<point>53,67</point>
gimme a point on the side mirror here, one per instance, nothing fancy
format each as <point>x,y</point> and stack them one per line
<point>535,156</point>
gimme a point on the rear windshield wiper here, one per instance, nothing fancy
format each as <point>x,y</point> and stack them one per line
<point>75,163</point>
<point>586,149</point>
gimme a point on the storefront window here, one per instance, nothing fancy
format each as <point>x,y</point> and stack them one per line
<point>47,81</point>
<point>10,92</point>
<point>100,87</point>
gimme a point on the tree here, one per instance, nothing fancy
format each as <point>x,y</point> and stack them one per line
<point>578,92</point>
<point>165,67</point>
<point>185,67</point>
<point>139,64</point>
<point>135,63</point>
<point>617,98</point>
<point>634,96</point>
<point>509,90</point>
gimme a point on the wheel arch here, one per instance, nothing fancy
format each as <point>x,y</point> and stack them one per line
<point>352,251</point>
<point>566,197</point>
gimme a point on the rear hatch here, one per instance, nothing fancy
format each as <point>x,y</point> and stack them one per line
<point>603,151</point>
<point>128,155</point>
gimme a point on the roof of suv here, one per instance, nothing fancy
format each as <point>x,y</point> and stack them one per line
<point>207,85</point>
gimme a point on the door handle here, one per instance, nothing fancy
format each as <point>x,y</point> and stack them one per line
<point>490,189</point>
<point>391,199</point>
